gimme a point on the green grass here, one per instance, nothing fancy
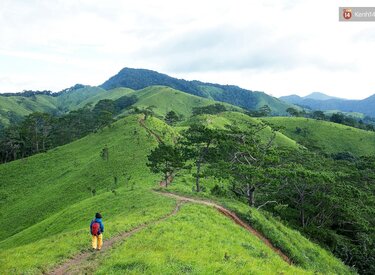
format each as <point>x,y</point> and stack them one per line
<point>242,121</point>
<point>166,99</point>
<point>73,100</point>
<point>22,106</point>
<point>66,233</point>
<point>327,136</point>
<point>33,188</point>
<point>301,251</point>
<point>304,253</point>
<point>112,94</point>
<point>163,98</point>
<point>199,240</point>
<point>47,204</point>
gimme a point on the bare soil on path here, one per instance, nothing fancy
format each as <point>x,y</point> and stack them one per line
<point>77,264</point>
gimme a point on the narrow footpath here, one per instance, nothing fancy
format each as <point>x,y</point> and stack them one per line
<point>77,263</point>
<point>231,215</point>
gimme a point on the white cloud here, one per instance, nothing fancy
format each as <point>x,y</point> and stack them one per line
<point>279,47</point>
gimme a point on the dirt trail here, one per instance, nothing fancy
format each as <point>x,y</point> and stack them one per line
<point>142,123</point>
<point>233,217</point>
<point>221,209</point>
<point>72,266</point>
<point>79,263</point>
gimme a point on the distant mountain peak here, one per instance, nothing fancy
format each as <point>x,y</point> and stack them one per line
<point>138,79</point>
<point>320,96</point>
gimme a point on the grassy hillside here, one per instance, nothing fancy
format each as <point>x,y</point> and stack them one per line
<point>15,107</point>
<point>112,94</point>
<point>327,136</point>
<point>76,98</point>
<point>19,106</point>
<point>242,121</point>
<point>48,200</point>
<point>166,99</point>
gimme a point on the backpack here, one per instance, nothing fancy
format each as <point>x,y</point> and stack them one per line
<point>95,229</point>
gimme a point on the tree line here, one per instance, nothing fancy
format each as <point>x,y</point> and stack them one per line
<point>366,123</point>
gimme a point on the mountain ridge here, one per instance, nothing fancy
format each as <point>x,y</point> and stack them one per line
<point>365,106</point>
<point>15,106</point>
<point>141,78</point>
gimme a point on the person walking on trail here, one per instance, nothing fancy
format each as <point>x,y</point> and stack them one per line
<point>97,229</point>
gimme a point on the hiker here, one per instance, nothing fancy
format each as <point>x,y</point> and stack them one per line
<point>96,229</point>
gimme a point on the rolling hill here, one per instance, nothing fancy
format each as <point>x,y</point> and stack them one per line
<point>326,136</point>
<point>49,200</point>
<point>13,108</point>
<point>219,121</point>
<point>165,99</point>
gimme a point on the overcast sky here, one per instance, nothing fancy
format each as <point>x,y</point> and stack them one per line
<point>280,47</point>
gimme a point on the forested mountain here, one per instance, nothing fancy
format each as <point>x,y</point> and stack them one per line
<point>365,106</point>
<point>140,78</point>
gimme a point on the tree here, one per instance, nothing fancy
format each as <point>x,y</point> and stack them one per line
<point>36,129</point>
<point>200,145</point>
<point>306,191</point>
<point>210,109</point>
<point>245,158</point>
<point>337,118</point>
<point>11,144</point>
<point>166,159</point>
<point>265,110</point>
<point>105,105</point>
<point>171,118</point>
<point>292,111</point>
<point>124,102</point>
<point>319,115</point>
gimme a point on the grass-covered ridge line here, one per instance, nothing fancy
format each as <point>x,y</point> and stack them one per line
<point>198,240</point>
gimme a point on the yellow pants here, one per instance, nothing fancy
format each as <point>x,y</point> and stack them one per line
<point>97,241</point>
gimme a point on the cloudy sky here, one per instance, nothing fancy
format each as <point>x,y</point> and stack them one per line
<point>280,47</point>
